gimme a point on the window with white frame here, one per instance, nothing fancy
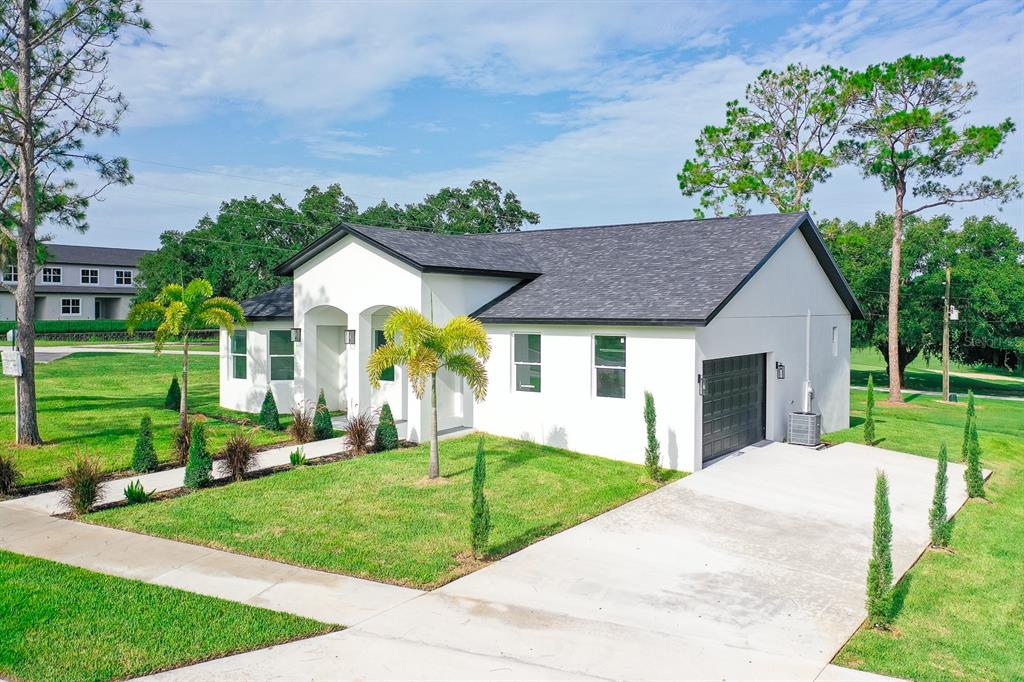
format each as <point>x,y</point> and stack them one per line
<point>610,366</point>
<point>90,276</point>
<point>52,275</point>
<point>526,362</point>
<point>70,306</point>
<point>122,276</point>
<point>282,355</point>
<point>239,342</point>
<point>11,273</point>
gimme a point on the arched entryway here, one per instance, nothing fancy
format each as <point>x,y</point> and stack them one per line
<point>325,357</point>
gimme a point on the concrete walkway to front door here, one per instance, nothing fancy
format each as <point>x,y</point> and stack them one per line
<point>751,569</point>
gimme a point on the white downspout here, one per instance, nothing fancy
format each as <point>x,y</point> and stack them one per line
<point>808,389</point>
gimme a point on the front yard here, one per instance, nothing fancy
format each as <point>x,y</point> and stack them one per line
<point>963,612</point>
<point>377,516</point>
<point>925,374</point>
<point>65,623</point>
<point>92,403</point>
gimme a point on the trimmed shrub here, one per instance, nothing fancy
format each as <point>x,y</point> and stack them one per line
<point>322,427</point>
<point>144,456</point>
<point>200,466</point>
<point>869,413</point>
<point>301,428</point>
<point>652,455</point>
<point>269,417</point>
<point>386,437</point>
<point>938,522</point>
<point>359,433</point>
<point>970,452</point>
<point>879,583</point>
<point>297,457</point>
<point>82,483</point>
<point>481,525</point>
<point>239,455</point>
<point>173,399</point>
<point>9,474</point>
<point>136,494</point>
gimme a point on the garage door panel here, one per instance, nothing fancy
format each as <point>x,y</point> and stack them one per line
<point>733,403</point>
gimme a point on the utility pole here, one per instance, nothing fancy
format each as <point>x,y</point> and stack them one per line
<point>945,340</point>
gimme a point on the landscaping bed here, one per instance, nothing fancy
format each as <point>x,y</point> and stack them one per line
<point>378,517</point>
<point>65,623</point>
<point>962,612</point>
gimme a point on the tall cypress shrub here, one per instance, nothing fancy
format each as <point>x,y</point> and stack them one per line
<point>879,583</point>
<point>386,436</point>
<point>200,464</point>
<point>322,427</point>
<point>269,417</point>
<point>652,456</point>
<point>970,452</point>
<point>481,524</point>
<point>144,455</point>
<point>173,399</point>
<point>938,522</point>
<point>869,413</point>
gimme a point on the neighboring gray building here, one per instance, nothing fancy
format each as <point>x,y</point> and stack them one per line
<point>79,283</point>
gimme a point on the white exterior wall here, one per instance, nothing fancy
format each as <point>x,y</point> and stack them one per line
<point>566,413</point>
<point>770,315</point>
<point>247,394</point>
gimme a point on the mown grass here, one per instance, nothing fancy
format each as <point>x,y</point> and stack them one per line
<point>963,615</point>
<point>66,623</point>
<point>926,375</point>
<point>93,402</point>
<point>378,517</point>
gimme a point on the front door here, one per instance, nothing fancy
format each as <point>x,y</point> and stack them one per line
<point>734,404</point>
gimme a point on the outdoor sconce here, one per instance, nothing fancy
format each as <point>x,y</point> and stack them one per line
<point>296,335</point>
<point>780,370</point>
<point>350,337</point>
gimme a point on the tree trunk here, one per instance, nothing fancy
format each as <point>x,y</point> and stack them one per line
<point>25,294</point>
<point>435,464</point>
<point>183,405</point>
<point>895,380</point>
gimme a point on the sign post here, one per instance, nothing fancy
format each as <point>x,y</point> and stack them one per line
<point>12,368</point>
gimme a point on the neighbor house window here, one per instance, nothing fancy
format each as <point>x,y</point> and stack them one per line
<point>90,276</point>
<point>526,359</point>
<point>378,340</point>
<point>52,275</point>
<point>610,366</point>
<point>282,355</point>
<point>122,276</point>
<point>70,306</point>
<point>11,273</point>
<point>238,354</point>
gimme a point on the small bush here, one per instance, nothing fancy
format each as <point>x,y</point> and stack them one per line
<point>9,474</point>
<point>239,455</point>
<point>136,494</point>
<point>652,455</point>
<point>939,524</point>
<point>269,417</point>
<point>173,399</point>
<point>359,433</point>
<point>481,525</point>
<point>869,413</point>
<point>970,452</point>
<point>386,437</point>
<point>322,427</point>
<point>182,441</point>
<point>82,483</point>
<point>297,457</point>
<point>199,467</point>
<point>301,428</point>
<point>144,456</point>
<point>879,587</point>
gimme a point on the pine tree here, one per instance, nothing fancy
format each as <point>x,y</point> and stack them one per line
<point>173,399</point>
<point>322,427</point>
<point>653,452</point>
<point>937,520</point>
<point>200,464</point>
<point>144,456</point>
<point>269,418</point>
<point>965,447</point>
<point>481,526</point>
<point>869,413</point>
<point>970,451</point>
<point>386,436</point>
<point>879,584</point>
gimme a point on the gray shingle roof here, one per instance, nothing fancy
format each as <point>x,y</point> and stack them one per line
<point>93,255</point>
<point>276,304</point>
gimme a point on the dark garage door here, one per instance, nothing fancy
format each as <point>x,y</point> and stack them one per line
<point>733,403</point>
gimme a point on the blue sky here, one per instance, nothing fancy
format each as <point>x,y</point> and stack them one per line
<point>585,110</point>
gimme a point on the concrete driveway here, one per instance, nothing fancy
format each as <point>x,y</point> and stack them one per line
<point>752,569</point>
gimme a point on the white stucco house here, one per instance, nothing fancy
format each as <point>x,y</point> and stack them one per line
<point>731,323</point>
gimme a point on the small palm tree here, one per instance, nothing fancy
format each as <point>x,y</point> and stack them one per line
<point>423,348</point>
<point>182,310</point>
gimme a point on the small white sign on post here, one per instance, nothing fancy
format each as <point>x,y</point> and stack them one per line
<point>12,363</point>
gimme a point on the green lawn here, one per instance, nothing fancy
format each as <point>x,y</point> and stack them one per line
<point>377,517</point>
<point>92,402</point>
<point>963,614</point>
<point>65,623</point>
<point>925,375</point>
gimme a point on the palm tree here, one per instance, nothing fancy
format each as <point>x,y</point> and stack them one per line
<point>423,348</point>
<point>181,311</point>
